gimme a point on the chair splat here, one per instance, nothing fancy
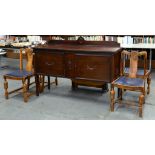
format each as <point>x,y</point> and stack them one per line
<point>133,64</point>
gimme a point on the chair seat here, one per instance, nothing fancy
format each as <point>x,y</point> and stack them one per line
<point>126,81</point>
<point>19,74</point>
<point>139,71</point>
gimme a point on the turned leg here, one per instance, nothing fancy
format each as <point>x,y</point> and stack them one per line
<point>148,84</point>
<point>25,95</point>
<point>141,101</point>
<point>42,83</point>
<point>56,81</point>
<point>28,83</point>
<point>112,97</point>
<point>6,88</point>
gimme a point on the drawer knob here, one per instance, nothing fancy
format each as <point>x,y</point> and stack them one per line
<point>90,68</point>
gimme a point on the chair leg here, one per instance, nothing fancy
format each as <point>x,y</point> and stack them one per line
<point>6,88</point>
<point>28,83</point>
<point>148,84</point>
<point>141,101</point>
<point>56,81</point>
<point>112,97</point>
<point>43,83</point>
<point>120,94</point>
<point>25,95</point>
<point>40,83</point>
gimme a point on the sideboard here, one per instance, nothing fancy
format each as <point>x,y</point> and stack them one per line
<point>90,64</point>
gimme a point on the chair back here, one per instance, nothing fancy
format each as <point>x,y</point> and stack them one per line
<point>29,59</point>
<point>133,58</point>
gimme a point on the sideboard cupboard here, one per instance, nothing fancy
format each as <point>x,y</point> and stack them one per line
<point>87,63</point>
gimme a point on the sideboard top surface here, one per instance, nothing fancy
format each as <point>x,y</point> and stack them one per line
<point>74,48</point>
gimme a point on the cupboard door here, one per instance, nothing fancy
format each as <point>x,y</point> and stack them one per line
<point>50,63</point>
<point>93,67</point>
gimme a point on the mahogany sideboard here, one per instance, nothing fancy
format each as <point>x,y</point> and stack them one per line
<point>89,63</point>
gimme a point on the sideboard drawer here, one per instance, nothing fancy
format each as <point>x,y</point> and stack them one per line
<point>51,63</point>
<point>93,67</point>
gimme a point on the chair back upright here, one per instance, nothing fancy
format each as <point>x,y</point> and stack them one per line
<point>21,59</point>
<point>29,59</point>
<point>133,58</point>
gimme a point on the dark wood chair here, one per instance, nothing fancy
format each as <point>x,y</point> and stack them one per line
<point>131,80</point>
<point>24,75</point>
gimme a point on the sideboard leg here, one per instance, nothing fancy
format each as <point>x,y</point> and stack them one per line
<point>49,83</point>
<point>37,84</point>
<point>105,88</point>
<point>74,85</point>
